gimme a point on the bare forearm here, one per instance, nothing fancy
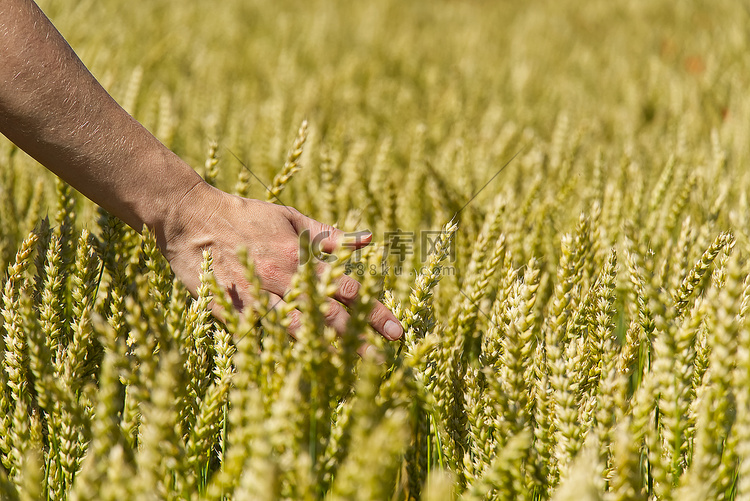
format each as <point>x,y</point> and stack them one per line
<point>53,108</point>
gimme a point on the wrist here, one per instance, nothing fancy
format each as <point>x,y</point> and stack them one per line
<point>167,206</point>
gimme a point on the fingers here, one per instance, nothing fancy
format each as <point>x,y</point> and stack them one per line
<point>336,315</point>
<point>381,318</point>
<point>338,318</point>
<point>357,239</point>
<point>325,237</point>
<point>276,302</point>
<point>293,317</point>
<point>385,322</point>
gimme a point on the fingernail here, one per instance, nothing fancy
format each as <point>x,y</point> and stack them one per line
<point>361,234</point>
<point>392,330</point>
<point>355,239</point>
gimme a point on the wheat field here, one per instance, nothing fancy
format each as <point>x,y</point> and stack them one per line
<point>558,197</point>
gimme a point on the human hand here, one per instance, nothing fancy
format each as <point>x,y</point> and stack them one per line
<point>69,123</point>
<point>210,218</point>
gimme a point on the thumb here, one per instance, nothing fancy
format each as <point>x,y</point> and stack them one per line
<point>327,238</point>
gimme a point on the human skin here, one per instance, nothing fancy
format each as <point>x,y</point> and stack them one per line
<point>53,108</point>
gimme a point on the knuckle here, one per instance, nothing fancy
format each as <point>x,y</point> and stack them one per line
<point>378,315</point>
<point>332,312</point>
<point>289,252</point>
<point>269,272</point>
<point>294,320</point>
<point>348,289</point>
